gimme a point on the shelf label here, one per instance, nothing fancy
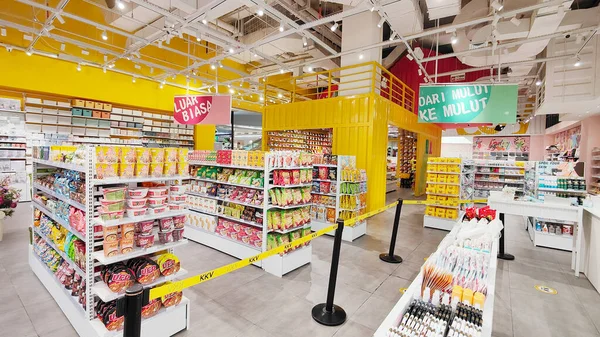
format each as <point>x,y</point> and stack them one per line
<point>468,103</point>
<point>202,109</point>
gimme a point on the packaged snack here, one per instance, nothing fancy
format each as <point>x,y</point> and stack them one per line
<point>112,205</point>
<point>144,227</point>
<point>172,299</point>
<point>165,224</point>
<point>126,170</point>
<point>136,203</point>
<point>145,240</point>
<point>104,171</point>
<point>171,155</point>
<point>128,155</point>
<point>183,168</point>
<point>178,234</point>
<point>111,215</point>
<point>179,221</point>
<point>176,207</point>
<point>295,177</point>
<point>157,155</point>
<point>111,248</point>
<point>143,155</point>
<point>156,169</point>
<point>109,317</point>
<point>107,154</point>
<point>157,192</point>
<point>157,201</point>
<point>170,168</point>
<point>145,270</point>
<point>169,264</point>
<point>142,170</point>
<point>331,214</point>
<point>110,234</point>
<point>157,209</point>
<point>151,308</point>
<point>176,199</point>
<point>135,212</point>
<point>323,173</point>
<point>117,277</point>
<point>177,189</point>
<point>127,231</point>
<point>165,237</point>
<point>112,194</point>
<point>126,245</point>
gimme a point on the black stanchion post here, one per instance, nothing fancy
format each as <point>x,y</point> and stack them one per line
<point>501,254</point>
<point>328,313</point>
<point>131,307</point>
<point>390,257</point>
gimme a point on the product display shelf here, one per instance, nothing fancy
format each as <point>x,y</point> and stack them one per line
<point>277,265</point>
<point>36,204</point>
<point>448,181</point>
<point>316,141</point>
<point>493,175</point>
<point>546,239</point>
<point>105,294</point>
<point>168,321</point>
<point>349,233</point>
<point>560,179</point>
<point>595,181</point>
<point>413,291</point>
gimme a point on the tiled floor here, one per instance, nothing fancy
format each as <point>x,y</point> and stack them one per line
<point>251,303</point>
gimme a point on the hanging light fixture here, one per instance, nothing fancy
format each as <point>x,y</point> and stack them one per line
<point>204,22</point>
<point>104,35</point>
<point>498,5</point>
<point>334,27</point>
<point>392,36</point>
<point>120,5</point>
<point>281,29</point>
<point>304,41</point>
<point>361,56</point>
<point>381,22</point>
<point>538,83</point>
<point>78,67</point>
<point>454,38</point>
<point>577,62</point>
<point>212,66</point>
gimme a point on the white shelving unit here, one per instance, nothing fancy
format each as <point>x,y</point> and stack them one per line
<point>493,175</point>
<point>550,240</point>
<point>167,322</point>
<point>276,265</point>
<point>594,187</point>
<point>465,186</point>
<point>349,233</point>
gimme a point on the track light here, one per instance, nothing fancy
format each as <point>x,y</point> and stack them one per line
<point>104,35</point>
<point>28,52</point>
<point>220,65</point>
<point>231,91</point>
<point>515,21</point>
<point>310,69</point>
<point>498,5</point>
<point>304,41</point>
<point>361,56</point>
<point>577,62</point>
<point>262,99</point>
<point>281,29</point>
<point>78,67</point>
<point>213,67</point>
<point>231,50</point>
<point>255,55</point>
<point>161,85</point>
<point>334,27</point>
<point>381,22</point>
<point>538,83</point>
<point>104,70</point>
<point>112,65</point>
<point>454,38</point>
<point>120,5</point>
<point>279,95</point>
<point>133,79</point>
<point>373,9</point>
<point>281,71</point>
<point>260,12</point>
<point>204,22</point>
<point>198,37</point>
<point>392,36</point>
<point>3,31</point>
<point>409,56</point>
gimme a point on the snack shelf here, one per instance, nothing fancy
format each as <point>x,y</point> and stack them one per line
<point>60,221</point>
<point>353,182</point>
<point>223,199</point>
<point>325,165</point>
<point>288,206</point>
<point>99,255</point>
<point>103,291</point>
<point>500,174</point>
<point>509,167</point>
<point>280,265</point>
<point>290,168</point>
<point>290,186</point>
<point>329,180</point>
<point>67,166</point>
<point>438,172</point>
<point>443,194</point>
<point>111,223</point>
<point>58,196</point>
<point>251,223</point>
<point>203,163</point>
<point>13,141</point>
<point>289,230</point>
<point>328,194</point>
<point>118,180</point>
<point>352,209</point>
<point>436,183</point>
<point>501,181</point>
<point>561,190</point>
<point>12,148</point>
<point>60,252</point>
<point>13,158</point>
<point>226,245</point>
<point>227,183</point>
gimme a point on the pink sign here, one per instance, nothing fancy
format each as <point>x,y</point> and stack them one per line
<point>202,109</point>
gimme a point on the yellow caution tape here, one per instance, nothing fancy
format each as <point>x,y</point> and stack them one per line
<point>432,203</point>
<point>352,222</point>
<point>209,275</point>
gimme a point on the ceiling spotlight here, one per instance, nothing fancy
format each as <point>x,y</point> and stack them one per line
<point>361,56</point>
<point>3,31</point>
<point>28,52</point>
<point>120,5</point>
<point>213,67</point>
<point>151,70</point>
<point>310,69</point>
<point>281,29</point>
<point>204,22</point>
<point>159,44</point>
<point>538,83</point>
<point>334,27</point>
<point>78,67</point>
<point>454,38</point>
<point>515,21</point>
<point>112,65</point>
<point>578,62</point>
<point>392,36</point>
<point>380,23</point>
<point>133,79</point>
<point>220,65</point>
<point>260,12</point>
<point>255,55</point>
<point>420,72</point>
<point>409,56</point>
<point>261,98</point>
<point>279,95</point>
<point>228,85</point>
<point>231,50</point>
<point>304,41</point>
<point>498,5</point>
<point>161,85</point>
<point>372,8</point>
<point>198,37</point>
<point>231,91</point>
<point>281,71</point>
<point>104,70</point>
<point>104,35</point>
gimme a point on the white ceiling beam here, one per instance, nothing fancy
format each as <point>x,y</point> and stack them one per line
<point>61,5</point>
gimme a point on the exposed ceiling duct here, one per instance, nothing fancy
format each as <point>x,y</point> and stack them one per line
<point>437,9</point>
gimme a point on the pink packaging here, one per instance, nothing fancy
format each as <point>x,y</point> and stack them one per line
<point>166,224</point>
<point>179,221</point>
<point>157,192</point>
<point>177,234</point>
<point>144,227</point>
<point>145,240</point>
<point>175,199</point>
<point>165,237</point>
<point>176,207</point>
<point>157,209</point>
<point>153,202</point>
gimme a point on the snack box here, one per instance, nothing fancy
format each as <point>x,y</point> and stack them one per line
<point>432,167</point>
<point>451,214</point>
<point>453,160</point>
<point>452,179</point>
<point>442,168</point>
<point>441,178</point>
<point>430,210</point>
<point>441,189</point>
<point>440,212</point>
<point>431,177</point>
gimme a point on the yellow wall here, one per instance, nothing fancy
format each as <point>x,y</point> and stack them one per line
<point>46,75</point>
<point>359,125</point>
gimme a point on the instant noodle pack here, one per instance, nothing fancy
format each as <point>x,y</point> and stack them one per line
<point>128,162</point>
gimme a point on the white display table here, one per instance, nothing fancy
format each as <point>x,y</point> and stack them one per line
<point>549,211</point>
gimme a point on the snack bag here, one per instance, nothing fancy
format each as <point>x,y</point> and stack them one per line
<point>142,155</point>
<point>295,177</point>
<point>157,155</point>
<point>128,155</point>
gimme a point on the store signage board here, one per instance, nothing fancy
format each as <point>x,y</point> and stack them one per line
<point>471,103</point>
<point>202,109</point>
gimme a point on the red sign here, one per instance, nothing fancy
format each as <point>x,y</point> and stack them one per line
<point>202,109</point>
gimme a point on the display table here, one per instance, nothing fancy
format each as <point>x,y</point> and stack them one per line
<point>549,211</point>
<point>590,246</point>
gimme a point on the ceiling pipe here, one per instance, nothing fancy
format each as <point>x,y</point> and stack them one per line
<point>61,5</point>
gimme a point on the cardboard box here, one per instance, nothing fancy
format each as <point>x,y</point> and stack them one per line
<point>98,106</point>
<point>96,114</point>
<point>79,103</point>
<point>87,113</point>
<point>89,104</point>
<point>105,114</point>
<point>106,106</point>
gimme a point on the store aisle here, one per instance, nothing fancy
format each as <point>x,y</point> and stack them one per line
<point>251,303</point>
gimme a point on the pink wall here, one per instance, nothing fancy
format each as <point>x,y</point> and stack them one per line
<point>590,138</point>
<point>537,148</point>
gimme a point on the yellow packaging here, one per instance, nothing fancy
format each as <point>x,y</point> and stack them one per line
<point>453,160</point>
<point>454,168</point>
<point>442,168</point>
<point>431,197</point>
<point>431,177</point>
<point>128,155</point>
<point>106,170</point>
<point>142,155</point>
<point>440,189</point>
<point>156,169</point>
<point>170,168</point>
<point>107,154</point>
<point>126,170</point>
<point>157,155</point>
<point>441,178</point>
<point>440,212</point>
<point>442,160</point>
<point>432,167</point>
<point>452,189</point>
<point>430,210</point>
<point>142,170</point>
<point>170,155</point>
<point>261,158</point>
<point>452,179</point>
<point>183,168</point>
<point>430,188</point>
<point>451,214</point>
<point>243,158</point>
<point>457,292</point>
<point>478,300</point>
<point>467,297</point>
<point>182,154</point>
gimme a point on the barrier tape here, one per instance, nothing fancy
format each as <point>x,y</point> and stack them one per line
<point>177,286</point>
<point>430,203</point>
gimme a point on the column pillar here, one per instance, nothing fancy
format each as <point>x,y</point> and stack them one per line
<point>204,136</point>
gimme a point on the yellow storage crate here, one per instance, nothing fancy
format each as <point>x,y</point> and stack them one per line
<point>430,210</point>
<point>442,160</point>
<point>452,189</point>
<point>430,188</point>
<point>440,212</point>
<point>440,189</point>
<point>432,167</point>
<point>431,198</point>
<point>453,168</point>
<point>442,168</point>
<point>453,160</point>
<point>453,179</point>
<point>451,214</point>
<point>434,159</point>
<point>432,177</point>
<point>520,163</point>
<point>442,178</point>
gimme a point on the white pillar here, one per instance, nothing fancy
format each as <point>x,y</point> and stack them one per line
<point>358,31</point>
